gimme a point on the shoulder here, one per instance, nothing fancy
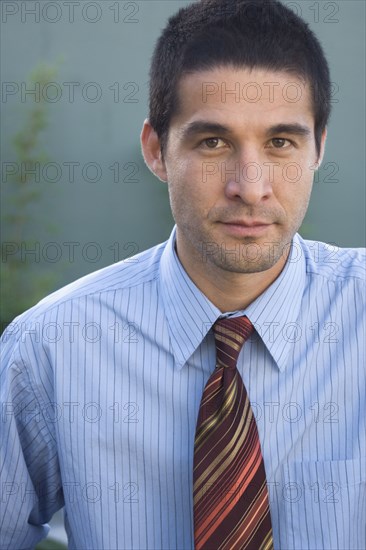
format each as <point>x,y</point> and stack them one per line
<point>129,274</point>
<point>332,262</point>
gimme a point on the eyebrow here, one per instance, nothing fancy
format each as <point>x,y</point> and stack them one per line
<point>201,127</point>
<point>294,129</point>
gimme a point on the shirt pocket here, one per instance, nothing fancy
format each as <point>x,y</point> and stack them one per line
<point>325,505</point>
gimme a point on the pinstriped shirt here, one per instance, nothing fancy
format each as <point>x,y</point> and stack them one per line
<point>101,384</point>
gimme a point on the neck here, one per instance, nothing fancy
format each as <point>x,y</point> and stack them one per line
<point>227,290</point>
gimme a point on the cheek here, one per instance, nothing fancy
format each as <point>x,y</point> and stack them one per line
<point>293,173</point>
<point>299,169</point>
<point>186,184</point>
<point>293,189</point>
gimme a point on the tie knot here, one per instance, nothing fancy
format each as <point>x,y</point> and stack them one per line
<point>230,335</point>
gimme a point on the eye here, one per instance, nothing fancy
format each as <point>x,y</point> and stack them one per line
<point>280,143</point>
<point>211,142</point>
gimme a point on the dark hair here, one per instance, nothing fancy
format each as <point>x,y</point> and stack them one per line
<point>240,33</point>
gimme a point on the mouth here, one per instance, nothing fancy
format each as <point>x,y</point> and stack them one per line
<point>241,228</point>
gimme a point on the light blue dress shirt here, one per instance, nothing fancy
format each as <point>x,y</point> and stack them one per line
<point>101,384</point>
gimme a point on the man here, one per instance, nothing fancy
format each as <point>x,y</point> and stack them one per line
<point>106,382</point>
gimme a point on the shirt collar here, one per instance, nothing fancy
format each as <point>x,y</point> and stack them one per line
<point>275,312</point>
<point>190,314</point>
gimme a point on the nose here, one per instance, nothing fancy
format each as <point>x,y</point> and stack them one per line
<point>248,179</point>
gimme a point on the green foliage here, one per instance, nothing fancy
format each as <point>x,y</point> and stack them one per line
<point>21,287</point>
<point>50,544</point>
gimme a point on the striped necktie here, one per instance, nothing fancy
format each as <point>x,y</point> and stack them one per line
<point>230,496</point>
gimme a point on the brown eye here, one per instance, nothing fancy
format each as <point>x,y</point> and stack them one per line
<point>279,143</point>
<point>211,142</point>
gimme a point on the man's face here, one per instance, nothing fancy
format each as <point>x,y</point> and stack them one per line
<point>239,163</point>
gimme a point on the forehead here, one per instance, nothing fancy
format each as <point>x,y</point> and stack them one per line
<point>243,96</point>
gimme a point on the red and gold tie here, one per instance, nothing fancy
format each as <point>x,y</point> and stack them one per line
<point>230,496</point>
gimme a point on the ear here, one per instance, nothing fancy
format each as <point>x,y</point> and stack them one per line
<point>151,150</point>
<point>322,147</point>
